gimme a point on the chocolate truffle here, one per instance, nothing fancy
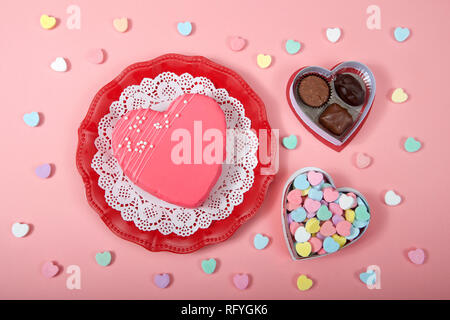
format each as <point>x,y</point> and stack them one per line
<point>349,89</point>
<point>336,119</point>
<point>314,91</point>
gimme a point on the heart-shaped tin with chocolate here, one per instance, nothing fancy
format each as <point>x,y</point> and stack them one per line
<point>332,104</point>
<point>319,219</point>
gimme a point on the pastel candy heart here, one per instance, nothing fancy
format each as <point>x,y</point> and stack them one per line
<point>303,248</point>
<point>339,239</point>
<point>298,215</point>
<point>148,145</point>
<point>391,198</point>
<point>310,215</point>
<point>327,229</point>
<point>412,145</point>
<point>293,227</point>
<point>301,235</point>
<point>363,160</point>
<point>120,24</point>
<point>312,225</point>
<point>263,60</point>
<point>20,230</point>
<point>319,186</point>
<point>335,209</point>
<point>295,196</point>
<point>95,55</point>
<point>417,256</point>
<point>241,281</point>
<point>323,213</point>
<point>333,34</point>
<point>237,43</point>
<point>316,244</point>
<point>161,280</point>
<point>292,46</point>
<point>315,194</point>
<point>330,194</point>
<point>306,191</point>
<point>401,34</point>
<point>184,28</point>
<point>315,178</point>
<point>399,96</point>
<point>311,205</point>
<point>290,142</point>
<point>355,202</point>
<point>49,270</point>
<point>354,232</point>
<point>103,258</point>
<point>301,182</point>
<point>43,171</point>
<point>336,219</point>
<point>344,228</point>
<point>304,283</point>
<point>346,202</point>
<point>368,278</point>
<point>362,214</point>
<point>31,119</point>
<point>59,65</point>
<point>330,246</point>
<point>292,206</point>
<point>209,266</point>
<point>47,22</point>
<point>260,241</point>
<point>350,215</point>
<point>360,224</point>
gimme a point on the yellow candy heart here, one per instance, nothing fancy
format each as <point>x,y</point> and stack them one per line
<point>47,22</point>
<point>312,225</point>
<point>304,283</point>
<point>339,239</point>
<point>305,192</point>
<point>399,96</point>
<point>263,60</point>
<point>303,248</point>
<point>350,215</point>
<point>121,24</point>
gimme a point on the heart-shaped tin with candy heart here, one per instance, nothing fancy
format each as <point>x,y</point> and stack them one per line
<point>332,104</point>
<point>324,219</point>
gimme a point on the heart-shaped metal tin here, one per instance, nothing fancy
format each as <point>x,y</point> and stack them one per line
<point>309,116</point>
<point>284,218</point>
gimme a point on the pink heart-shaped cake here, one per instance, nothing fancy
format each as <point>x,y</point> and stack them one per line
<point>174,153</point>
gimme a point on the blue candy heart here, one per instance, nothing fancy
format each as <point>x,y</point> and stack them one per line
<point>31,119</point>
<point>369,277</point>
<point>412,145</point>
<point>354,232</point>
<point>298,215</point>
<point>360,224</point>
<point>301,182</point>
<point>329,245</point>
<point>184,28</point>
<point>260,242</point>
<point>315,194</point>
<point>401,34</point>
<point>319,186</point>
<point>292,46</point>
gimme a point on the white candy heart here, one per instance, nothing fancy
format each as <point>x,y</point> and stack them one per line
<point>346,202</point>
<point>391,198</point>
<point>301,235</point>
<point>333,34</point>
<point>59,65</point>
<point>20,230</point>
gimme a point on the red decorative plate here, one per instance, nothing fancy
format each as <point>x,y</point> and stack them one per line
<point>88,131</point>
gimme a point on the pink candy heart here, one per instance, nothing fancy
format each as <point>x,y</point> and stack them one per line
<point>315,178</point>
<point>330,194</point>
<point>335,208</point>
<point>363,160</point>
<point>343,228</point>
<point>295,196</point>
<point>49,270</point>
<point>241,281</point>
<point>95,56</point>
<point>416,256</point>
<point>327,229</point>
<point>237,43</point>
<point>311,205</point>
<point>293,227</point>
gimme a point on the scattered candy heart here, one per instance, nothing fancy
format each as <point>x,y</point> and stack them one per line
<point>368,278</point>
<point>263,60</point>
<point>304,283</point>
<point>363,160</point>
<point>391,198</point>
<point>241,281</point>
<point>260,241</point>
<point>292,46</point>
<point>401,34</point>
<point>290,142</point>
<point>120,24</point>
<point>103,258</point>
<point>412,145</point>
<point>417,256</point>
<point>49,270</point>
<point>399,96</point>
<point>333,34</point>
<point>209,266</point>
<point>237,43</point>
<point>161,280</point>
<point>20,230</point>
<point>95,55</point>
<point>43,171</point>
<point>31,119</point>
<point>184,28</point>
<point>47,22</point>
<point>59,65</point>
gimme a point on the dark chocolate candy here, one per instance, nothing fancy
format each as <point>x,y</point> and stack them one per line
<point>336,119</point>
<point>314,91</point>
<point>349,89</point>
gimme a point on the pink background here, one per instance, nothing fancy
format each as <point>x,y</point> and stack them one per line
<point>66,230</point>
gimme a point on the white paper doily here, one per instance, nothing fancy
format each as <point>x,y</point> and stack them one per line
<point>146,211</point>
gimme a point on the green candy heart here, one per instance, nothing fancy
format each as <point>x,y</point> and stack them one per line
<point>412,145</point>
<point>292,46</point>
<point>324,213</point>
<point>362,214</point>
<point>209,266</point>
<point>290,142</point>
<point>103,258</point>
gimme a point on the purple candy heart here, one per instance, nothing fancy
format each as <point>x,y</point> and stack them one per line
<point>311,215</point>
<point>161,280</point>
<point>336,219</point>
<point>43,171</point>
<point>320,236</point>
